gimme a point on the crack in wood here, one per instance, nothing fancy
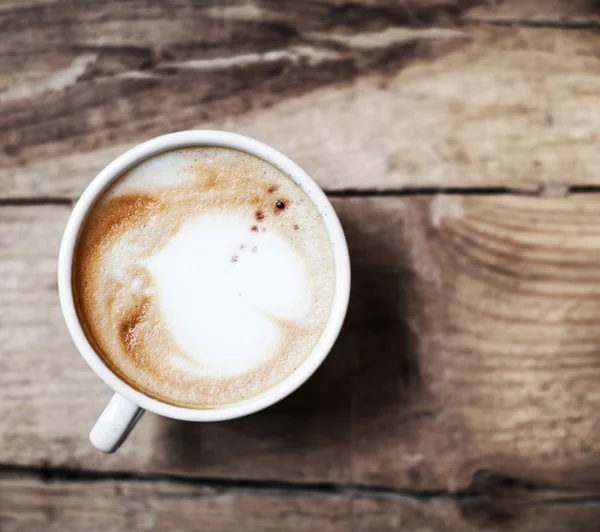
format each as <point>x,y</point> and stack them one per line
<point>423,191</point>
<point>34,202</point>
<point>65,474</point>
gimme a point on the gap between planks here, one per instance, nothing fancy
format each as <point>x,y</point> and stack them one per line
<point>49,474</point>
<point>542,191</point>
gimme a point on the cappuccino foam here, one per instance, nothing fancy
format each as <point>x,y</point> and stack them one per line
<point>203,276</point>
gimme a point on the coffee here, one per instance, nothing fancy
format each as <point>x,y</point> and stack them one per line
<point>203,276</point>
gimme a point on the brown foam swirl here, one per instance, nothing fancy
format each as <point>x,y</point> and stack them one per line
<point>137,217</point>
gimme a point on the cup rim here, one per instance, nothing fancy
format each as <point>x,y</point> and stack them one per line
<point>251,146</point>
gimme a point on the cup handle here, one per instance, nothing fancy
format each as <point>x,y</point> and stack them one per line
<point>115,424</point>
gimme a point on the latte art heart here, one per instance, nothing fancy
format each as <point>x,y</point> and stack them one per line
<point>204,276</point>
<point>255,293</point>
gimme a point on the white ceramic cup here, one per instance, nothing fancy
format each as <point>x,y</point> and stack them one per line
<point>127,405</point>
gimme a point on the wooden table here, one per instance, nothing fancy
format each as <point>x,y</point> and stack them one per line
<point>458,140</point>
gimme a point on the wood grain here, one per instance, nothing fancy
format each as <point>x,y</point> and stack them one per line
<point>471,345</point>
<point>31,506</point>
<point>378,95</point>
<point>565,13</point>
<point>28,505</point>
<point>462,394</point>
<point>446,516</point>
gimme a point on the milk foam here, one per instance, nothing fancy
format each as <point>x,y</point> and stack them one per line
<point>204,276</point>
<point>223,303</point>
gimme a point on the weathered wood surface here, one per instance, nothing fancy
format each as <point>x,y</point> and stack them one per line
<point>471,345</point>
<point>569,13</point>
<point>30,506</point>
<point>364,95</point>
<point>27,505</point>
<point>462,394</point>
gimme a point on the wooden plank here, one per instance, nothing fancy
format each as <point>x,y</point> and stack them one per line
<point>30,505</point>
<point>471,345</point>
<point>381,95</point>
<point>445,516</point>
